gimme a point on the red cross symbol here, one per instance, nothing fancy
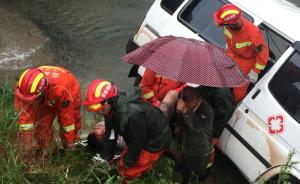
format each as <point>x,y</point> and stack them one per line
<point>276,124</point>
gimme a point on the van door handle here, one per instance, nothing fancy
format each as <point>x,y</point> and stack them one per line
<point>255,94</point>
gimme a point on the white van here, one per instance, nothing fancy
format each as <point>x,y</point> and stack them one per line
<point>264,127</point>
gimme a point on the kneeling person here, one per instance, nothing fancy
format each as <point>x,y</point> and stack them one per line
<point>143,127</point>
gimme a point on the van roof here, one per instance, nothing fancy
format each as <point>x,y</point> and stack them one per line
<point>280,14</point>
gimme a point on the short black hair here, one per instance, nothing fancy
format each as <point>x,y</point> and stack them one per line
<point>189,93</point>
<point>94,142</point>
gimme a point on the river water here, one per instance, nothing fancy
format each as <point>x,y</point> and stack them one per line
<point>86,36</point>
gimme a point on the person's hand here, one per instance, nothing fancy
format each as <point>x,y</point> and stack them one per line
<point>69,146</point>
<point>156,103</point>
<point>181,107</point>
<point>252,76</point>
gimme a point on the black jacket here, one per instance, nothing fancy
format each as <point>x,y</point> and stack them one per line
<point>221,101</point>
<point>142,126</point>
<point>197,131</point>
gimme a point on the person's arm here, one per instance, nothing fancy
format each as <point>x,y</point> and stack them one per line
<point>262,56</point>
<point>168,104</point>
<point>228,37</point>
<point>262,53</point>
<point>66,117</point>
<point>26,123</point>
<point>136,135</point>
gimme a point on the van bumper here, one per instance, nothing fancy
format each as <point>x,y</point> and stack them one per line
<point>131,46</point>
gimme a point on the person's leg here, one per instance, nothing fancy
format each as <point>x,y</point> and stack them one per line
<point>188,167</point>
<point>143,164</point>
<point>201,170</point>
<point>239,93</point>
<point>44,129</point>
<point>245,65</point>
<point>198,166</point>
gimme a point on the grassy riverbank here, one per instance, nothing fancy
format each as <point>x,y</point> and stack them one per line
<point>75,166</point>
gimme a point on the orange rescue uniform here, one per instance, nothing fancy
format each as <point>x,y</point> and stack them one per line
<point>144,163</point>
<point>154,87</point>
<point>62,99</point>
<point>248,49</point>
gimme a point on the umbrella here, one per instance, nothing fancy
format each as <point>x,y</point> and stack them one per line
<point>189,61</point>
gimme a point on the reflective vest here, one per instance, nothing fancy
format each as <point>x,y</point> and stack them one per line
<point>247,47</point>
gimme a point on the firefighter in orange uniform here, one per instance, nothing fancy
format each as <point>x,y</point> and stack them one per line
<point>41,94</point>
<point>154,87</point>
<point>245,45</point>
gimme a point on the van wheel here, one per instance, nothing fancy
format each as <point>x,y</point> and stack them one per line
<point>137,80</point>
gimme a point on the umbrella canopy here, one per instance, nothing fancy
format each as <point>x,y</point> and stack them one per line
<point>189,61</point>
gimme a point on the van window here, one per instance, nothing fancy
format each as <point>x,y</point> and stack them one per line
<point>276,43</point>
<point>198,16</point>
<point>285,86</point>
<point>170,5</point>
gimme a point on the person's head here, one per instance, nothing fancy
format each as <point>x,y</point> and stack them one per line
<point>190,96</point>
<point>100,95</point>
<point>229,16</point>
<point>31,85</point>
<point>96,136</point>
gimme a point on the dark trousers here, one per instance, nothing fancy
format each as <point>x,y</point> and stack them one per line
<point>194,166</point>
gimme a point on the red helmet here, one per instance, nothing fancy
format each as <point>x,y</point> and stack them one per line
<point>32,84</point>
<point>98,94</point>
<point>227,14</point>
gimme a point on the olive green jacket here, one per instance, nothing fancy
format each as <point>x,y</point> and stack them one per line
<point>142,125</point>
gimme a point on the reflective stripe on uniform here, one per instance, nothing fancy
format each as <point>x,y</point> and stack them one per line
<point>227,33</point>
<point>148,95</point>
<point>53,67</point>
<point>35,82</point>
<point>228,12</point>
<point>24,127</point>
<point>209,164</point>
<point>260,67</point>
<point>243,44</point>
<point>69,128</point>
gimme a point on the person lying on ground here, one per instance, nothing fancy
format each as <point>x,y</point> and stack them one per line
<point>95,139</point>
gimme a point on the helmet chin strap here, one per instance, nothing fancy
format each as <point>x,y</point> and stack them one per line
<point>200,101</point>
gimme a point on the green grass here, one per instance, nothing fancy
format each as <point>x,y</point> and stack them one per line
<point>12,168</point>
<point>58,166</point>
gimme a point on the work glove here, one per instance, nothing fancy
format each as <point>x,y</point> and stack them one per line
<point>252,76</point>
